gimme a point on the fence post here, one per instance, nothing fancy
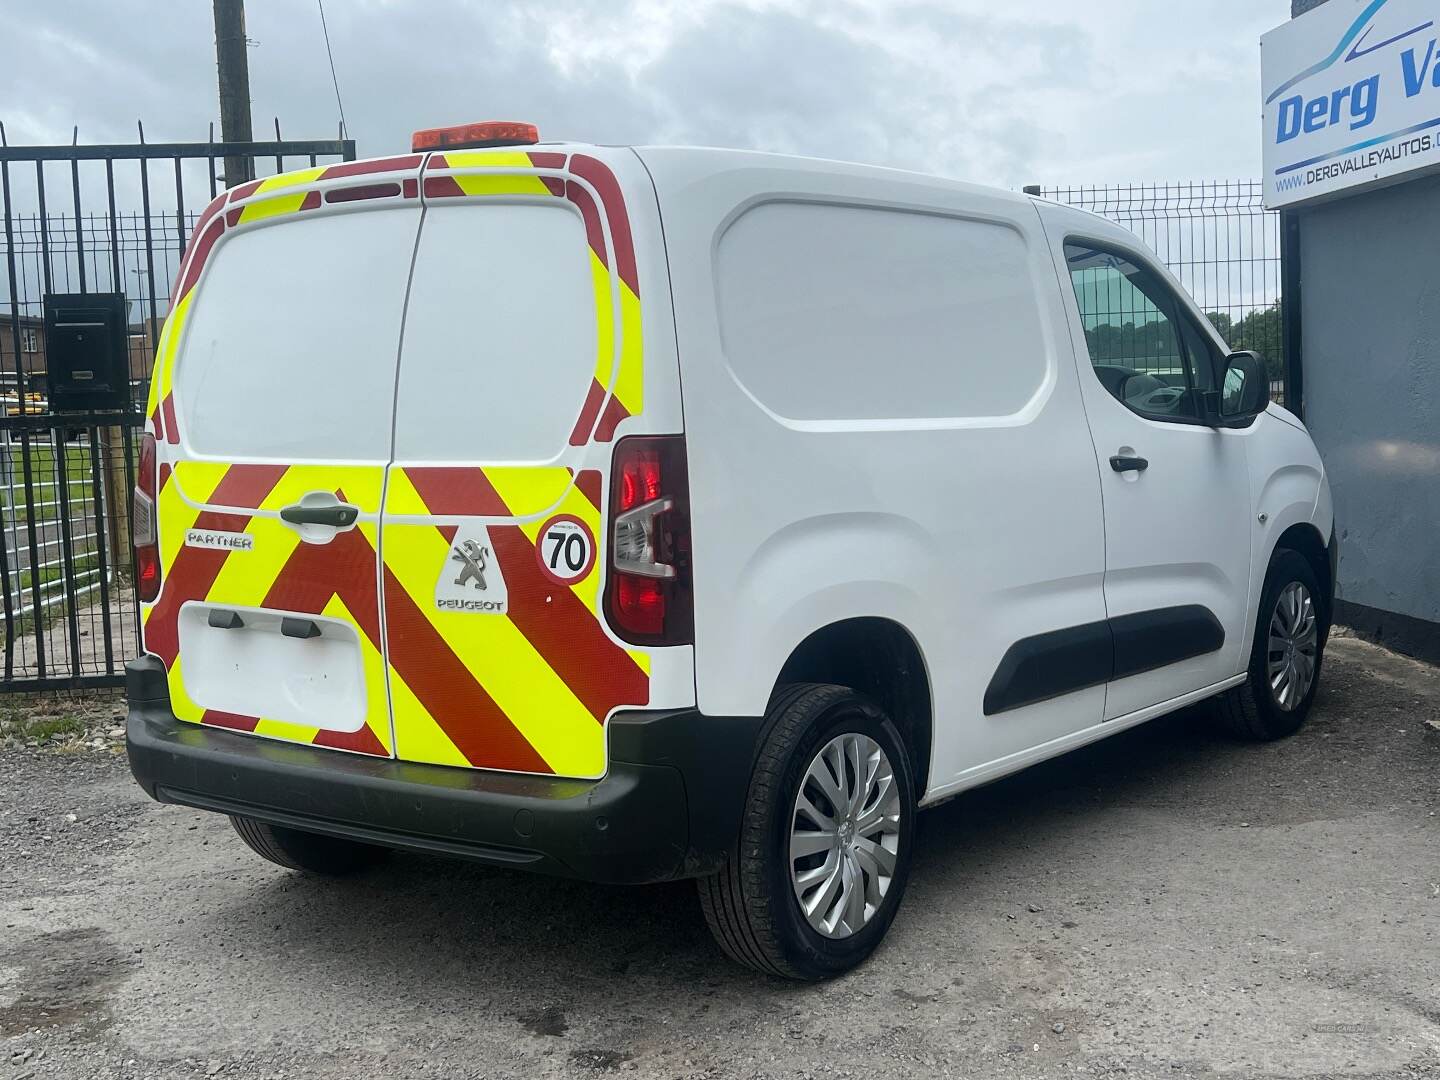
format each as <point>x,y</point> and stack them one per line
<point>1290,285</point>
<point>117,501</point>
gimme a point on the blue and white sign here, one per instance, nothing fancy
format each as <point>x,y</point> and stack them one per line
<point>1352,97</point>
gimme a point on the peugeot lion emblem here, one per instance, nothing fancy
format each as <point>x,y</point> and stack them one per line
<point>473,556</point>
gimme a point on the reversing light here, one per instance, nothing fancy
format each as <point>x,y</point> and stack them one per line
<point>471,136</point>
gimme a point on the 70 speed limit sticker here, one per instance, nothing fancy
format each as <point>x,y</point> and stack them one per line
<point>565,549</point>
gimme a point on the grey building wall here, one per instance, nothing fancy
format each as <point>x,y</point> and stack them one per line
<point>1299,7</point>
<point>1370,311</point>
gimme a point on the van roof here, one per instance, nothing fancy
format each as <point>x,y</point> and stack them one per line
<point>701,159</point>
<point>722,159</point>
<point>695,162</point>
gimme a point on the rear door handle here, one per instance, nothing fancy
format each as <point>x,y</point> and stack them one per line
<point>340,516</point>
<point>1127,464</point>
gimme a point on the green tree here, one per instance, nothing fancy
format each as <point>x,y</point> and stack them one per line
<point>1144,345</point>
<point>1258,331</point>
<point>1222,322</point>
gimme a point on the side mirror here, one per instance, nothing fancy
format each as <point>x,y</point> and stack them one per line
<point>1244,391</point>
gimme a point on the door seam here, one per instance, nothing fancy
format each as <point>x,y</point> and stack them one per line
<point>1067,297</point>
<point>384,628</point>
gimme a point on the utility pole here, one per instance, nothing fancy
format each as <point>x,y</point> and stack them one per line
<point>234,66</point>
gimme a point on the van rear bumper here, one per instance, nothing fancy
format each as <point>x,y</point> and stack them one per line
<point>669,806</point>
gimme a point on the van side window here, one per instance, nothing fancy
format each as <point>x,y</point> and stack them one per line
<point>831,312</point>
<point>1145,350</point>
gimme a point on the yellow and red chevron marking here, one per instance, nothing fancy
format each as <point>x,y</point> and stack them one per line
<point>362,484</point>
<point>546,671</point>
<point>616,391</point>
<point>453,174</point>
<point>161,402</point>
<point>527,691</point>
<point>295,192</point>
<point>335,580</point>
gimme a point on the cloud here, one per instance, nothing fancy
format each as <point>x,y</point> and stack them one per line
<point>1119,90</point>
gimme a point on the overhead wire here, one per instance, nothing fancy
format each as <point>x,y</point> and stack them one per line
<point>334,80</point>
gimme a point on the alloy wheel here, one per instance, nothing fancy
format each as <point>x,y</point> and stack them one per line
<point>845,835</point>
<point>1291,652</point>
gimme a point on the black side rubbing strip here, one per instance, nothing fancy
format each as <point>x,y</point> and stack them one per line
<point>1049,665</point>
<point>1061,662</point>
<point>1148,640</point>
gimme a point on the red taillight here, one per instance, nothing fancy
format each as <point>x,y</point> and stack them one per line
<point>640,604</point>
<point>143,531</point>
<point>147,572</point>
<point>648,597</point>
<point>639,471</point>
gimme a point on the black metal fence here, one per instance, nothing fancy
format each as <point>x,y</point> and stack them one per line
<point>82,219</point>
<point>1219,240</point>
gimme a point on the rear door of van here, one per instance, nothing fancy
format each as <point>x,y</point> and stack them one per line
<point>537,334</point>
<point>271,405</point>
<point>387,417</point>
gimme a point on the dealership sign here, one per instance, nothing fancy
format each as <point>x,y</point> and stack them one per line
<point>1352,97</point>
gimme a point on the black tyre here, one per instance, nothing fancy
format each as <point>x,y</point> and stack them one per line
<point>312,853</point>
<point>825,841</point>
<point>1290,633</point>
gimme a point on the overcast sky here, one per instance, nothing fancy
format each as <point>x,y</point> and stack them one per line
<point>1034,91</point>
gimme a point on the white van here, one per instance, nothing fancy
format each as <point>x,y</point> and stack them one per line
<point>648,513</point>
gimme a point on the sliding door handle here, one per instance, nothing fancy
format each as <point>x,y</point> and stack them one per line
<point>1121,463</point>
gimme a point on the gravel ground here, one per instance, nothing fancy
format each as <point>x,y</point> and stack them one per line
<point>1166,903</point>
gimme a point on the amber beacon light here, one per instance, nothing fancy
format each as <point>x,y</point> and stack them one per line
<point>470,136</point>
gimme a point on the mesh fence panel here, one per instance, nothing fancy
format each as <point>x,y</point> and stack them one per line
<point>1219,240</point>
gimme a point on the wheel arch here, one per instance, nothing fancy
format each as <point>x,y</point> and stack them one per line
<point>880,658</point>
<point>1305,539</point>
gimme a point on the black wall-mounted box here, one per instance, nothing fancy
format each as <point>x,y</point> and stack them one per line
<point>86,356</point>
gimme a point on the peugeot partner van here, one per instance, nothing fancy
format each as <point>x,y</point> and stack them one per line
<point>636,514</point>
